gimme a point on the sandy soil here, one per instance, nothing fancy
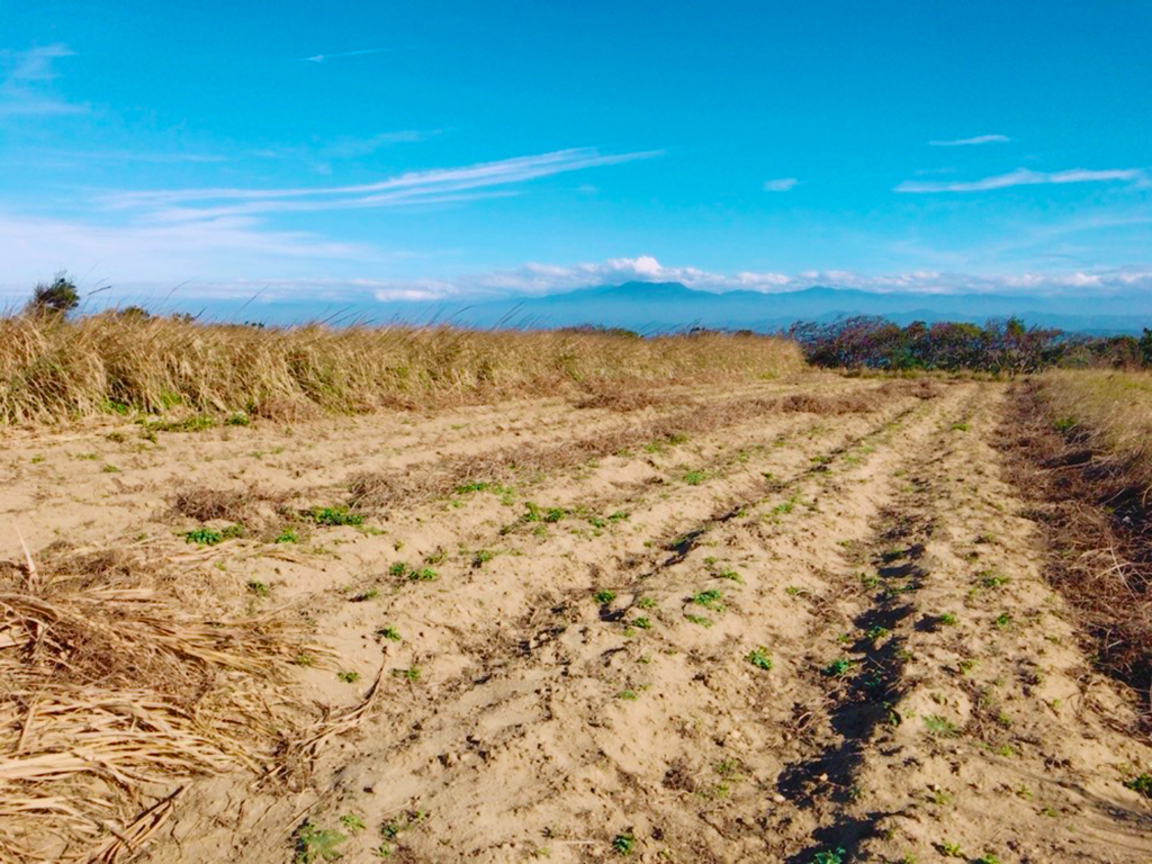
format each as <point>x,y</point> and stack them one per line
<point>591,684</point>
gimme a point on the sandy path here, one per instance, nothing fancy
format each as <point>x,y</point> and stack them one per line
<point>925,695</point>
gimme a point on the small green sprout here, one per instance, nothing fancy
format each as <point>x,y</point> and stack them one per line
<point>759,658</point>
<point>624,844</point>
<point>204,536</point>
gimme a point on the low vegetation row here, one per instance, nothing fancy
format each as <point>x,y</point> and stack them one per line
<point>999,347</point>
<point>54,368</point>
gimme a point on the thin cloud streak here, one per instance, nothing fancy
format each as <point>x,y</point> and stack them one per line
<point>321,58</point>
<point>23,89</point>
<point>1024,177</point>
<point>781,184</point>
<point>404,188</point>
<point>967,142</point>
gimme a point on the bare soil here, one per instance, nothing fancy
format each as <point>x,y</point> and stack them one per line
<point>578,671</point>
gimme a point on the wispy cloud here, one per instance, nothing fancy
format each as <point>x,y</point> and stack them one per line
<point>164,253</point>
<point>319,155</point>
<point>781,184</point>
<point>418,187</point>
<point>964,142</point>
<point>24,85</point>
<point>1025,177</point>
<point>321,58</point>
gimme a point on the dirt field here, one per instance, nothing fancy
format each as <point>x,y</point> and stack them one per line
<point>795,621</point>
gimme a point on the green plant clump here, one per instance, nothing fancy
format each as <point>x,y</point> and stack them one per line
<point>316,844</point>
<point>204,536</point>
<point>832,856</point>
<point>336,516</point>
<point>838,668</point>
<point>624,844</point>
<point>759,658</point>
<point>1141,784</point>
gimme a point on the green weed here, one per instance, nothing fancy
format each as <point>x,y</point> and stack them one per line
<point>939,726</point>
<point>838,668</point>
<point>339,515</point>
<point>710,599</point>
<point>204,536</point>
<point>1142,784</point>
<point>624,844</point>
<point>315,844</point>
<point>352,822</point>
<point>832,856</point>
<point>760,658</point>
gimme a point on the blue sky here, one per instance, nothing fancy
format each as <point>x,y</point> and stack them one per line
<point>436,150</point>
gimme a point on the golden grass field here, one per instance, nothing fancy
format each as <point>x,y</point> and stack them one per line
<point>437,596</point>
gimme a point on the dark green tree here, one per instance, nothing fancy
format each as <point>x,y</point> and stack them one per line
<point>56,298</point>
<point>1146,347</point>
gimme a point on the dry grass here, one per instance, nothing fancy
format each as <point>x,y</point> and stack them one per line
<point>112,692</point>
<point>1109,411</point>
<point>52,369</point>
<point>1081,446</point>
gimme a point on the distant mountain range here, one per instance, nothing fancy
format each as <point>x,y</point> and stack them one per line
<point>662,306</point>
<point>651,307</point>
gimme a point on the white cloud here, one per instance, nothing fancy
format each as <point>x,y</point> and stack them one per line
<point>344,148</point>
<point>964,142</point>
<point>781,184</point>
<point>35,247</point>
<point>320,58</point>
<point>1024,177</point>
<point>433,186</point>
<point>24,85</point>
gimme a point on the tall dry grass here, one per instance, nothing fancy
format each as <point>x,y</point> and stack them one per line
<point>1110,411</point>
<point>53,369</point>
<point>1083,448</point>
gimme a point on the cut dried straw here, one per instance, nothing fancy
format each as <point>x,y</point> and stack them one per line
<point>110,693</point>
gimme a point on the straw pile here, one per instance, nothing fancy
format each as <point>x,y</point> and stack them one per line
<point>110,698</point>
